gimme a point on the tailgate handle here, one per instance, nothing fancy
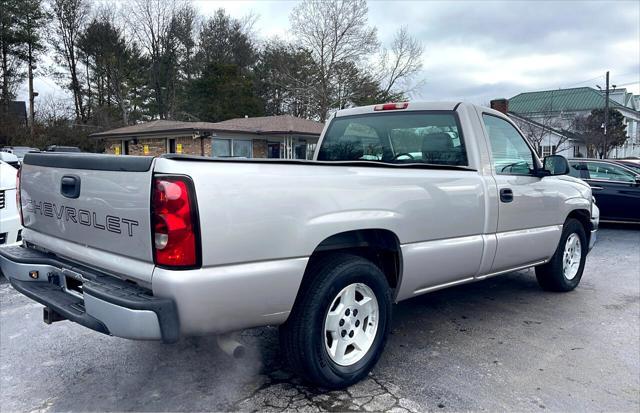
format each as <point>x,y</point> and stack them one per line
<point>70,186</point>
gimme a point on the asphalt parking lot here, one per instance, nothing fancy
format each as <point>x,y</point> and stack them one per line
<point>501,344</point>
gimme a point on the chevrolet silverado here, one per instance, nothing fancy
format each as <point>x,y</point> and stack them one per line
<point>400,200</point>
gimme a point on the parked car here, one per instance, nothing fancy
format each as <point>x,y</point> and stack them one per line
<point>400,200</point>
<point>633,164</point>
<point>59,148</point>
<point>10,159</point>
<point>615,186</point>
<point>10,228</point>
<point>19,151</point>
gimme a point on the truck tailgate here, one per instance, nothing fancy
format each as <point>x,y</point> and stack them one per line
<point>99,204</point>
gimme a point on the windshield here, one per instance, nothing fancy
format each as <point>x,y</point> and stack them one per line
<point>397,138</point>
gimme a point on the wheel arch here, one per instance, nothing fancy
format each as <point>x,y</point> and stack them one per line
<point>380,246</point>
<point>584,217</point>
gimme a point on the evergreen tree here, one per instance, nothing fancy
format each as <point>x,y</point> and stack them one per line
<point>590,130</point>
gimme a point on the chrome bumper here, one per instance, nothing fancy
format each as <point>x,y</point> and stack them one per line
<point>595,221</point>
<point>592,238</point>
<point>105,304</point>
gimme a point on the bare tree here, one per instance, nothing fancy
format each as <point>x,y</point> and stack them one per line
<point>336,32</point>
<point>53,110</point>
<point>539,129</point>
<point>151,22</point>
<point>402,62</point>
<point>70,17</point>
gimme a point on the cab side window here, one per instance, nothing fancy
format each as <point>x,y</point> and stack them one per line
<point>511,154</point>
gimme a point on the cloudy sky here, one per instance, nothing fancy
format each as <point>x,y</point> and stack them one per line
<point>480,50</point>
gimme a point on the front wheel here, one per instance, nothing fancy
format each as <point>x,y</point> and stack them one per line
<point>340,322</point>
<point>564,271</point>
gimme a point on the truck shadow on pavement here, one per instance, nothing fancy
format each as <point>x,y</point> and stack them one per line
<point>499,344</point>
<point>98,373</point>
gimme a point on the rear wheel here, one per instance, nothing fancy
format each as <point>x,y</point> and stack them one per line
<point>564,271</point>
<point>340,322</point>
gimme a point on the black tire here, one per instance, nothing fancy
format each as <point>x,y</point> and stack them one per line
<point>551,275</point>
<point>302,336</point>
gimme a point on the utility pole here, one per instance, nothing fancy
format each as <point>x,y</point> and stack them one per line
<point>605,124</point>
<point>606,115</point>
<point>31,94</point>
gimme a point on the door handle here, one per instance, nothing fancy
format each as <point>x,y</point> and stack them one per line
<point>506,195</point>
<point>597,188</point>
<point>70,186</point>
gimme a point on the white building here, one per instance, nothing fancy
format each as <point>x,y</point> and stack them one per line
<point>549,112</point>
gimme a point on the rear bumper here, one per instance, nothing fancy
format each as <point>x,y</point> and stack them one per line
<point>594,234</point>
<point>106,304</point>
<point>595,221</point>
<point>592,238</point>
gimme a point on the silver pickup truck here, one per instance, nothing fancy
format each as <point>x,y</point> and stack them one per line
<point>399,200</point>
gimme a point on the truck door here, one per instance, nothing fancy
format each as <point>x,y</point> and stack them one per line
<point>528,205</point>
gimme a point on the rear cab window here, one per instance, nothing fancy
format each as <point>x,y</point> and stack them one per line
<point>422,137</point>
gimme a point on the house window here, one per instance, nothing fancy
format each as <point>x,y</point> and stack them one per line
<point>273,150</point>
<point>232,147</point>
<point>242,148</point>
<point>546,150</point>
<point>221,147</point>
<point>311,148</point>
<point>300,151</point>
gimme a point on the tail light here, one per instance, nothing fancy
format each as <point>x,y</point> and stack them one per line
<point>391,106</point>
<point>18,199</point>
<point>176,234</point>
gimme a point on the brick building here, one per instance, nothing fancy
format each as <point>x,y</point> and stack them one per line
<point>284,137</point>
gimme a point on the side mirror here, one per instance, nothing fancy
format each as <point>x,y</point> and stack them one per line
<point>556,165</point>
<point>638,180</point>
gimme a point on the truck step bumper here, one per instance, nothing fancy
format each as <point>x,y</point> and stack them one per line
<point>98,301</point>
<point>594,232</point>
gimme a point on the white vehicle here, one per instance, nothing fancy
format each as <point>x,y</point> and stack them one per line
<point>19,151</point>
<point>400,200</point>
<point>10,158</point>
<point>10,228</point>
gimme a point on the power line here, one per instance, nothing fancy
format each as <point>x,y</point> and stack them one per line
<point>601,77</point>
<point>628,73</point>
<point>630,83</point>
<point>584,81</point>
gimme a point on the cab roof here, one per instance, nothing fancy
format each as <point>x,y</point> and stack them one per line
<point>411,106</point>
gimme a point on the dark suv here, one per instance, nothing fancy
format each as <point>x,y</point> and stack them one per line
<point>615,187</point>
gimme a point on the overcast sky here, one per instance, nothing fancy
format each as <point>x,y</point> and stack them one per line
<point>480,50</point>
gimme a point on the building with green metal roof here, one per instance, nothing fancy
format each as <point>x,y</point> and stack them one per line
<point>560,107</point>
<point>580,99</point>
